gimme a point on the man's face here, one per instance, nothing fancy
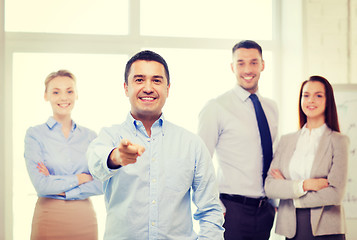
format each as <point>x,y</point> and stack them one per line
<point>247,65</point>
<point>147,89</point>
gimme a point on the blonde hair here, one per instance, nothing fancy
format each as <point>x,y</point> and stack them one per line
<point>59,73</point>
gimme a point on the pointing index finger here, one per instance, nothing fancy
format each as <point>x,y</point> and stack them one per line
<point>124,142</point>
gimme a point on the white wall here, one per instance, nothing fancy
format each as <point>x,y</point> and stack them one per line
<point>330,48</point>
<point>2,124</point>
<point>326,39</point>
<point>314,40</point>
<point>291,64</point>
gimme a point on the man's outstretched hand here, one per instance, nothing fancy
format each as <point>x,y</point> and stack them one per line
<point>126,153</point>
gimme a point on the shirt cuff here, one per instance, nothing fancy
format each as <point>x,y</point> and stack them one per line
<point>108,159</point>
<point>300,193</point>
<point>73,193</point>
<point>72,182</point>
<point>298,189</point>
<point>297,203</point>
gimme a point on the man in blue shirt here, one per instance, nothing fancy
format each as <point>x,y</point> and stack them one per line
<point>151,167</point>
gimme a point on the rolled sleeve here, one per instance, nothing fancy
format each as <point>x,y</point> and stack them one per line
<point>73,194</point>
<point>98,153</point>
<point>206,197</point>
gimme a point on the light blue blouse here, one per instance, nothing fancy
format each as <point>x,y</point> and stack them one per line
<point>64,159</point>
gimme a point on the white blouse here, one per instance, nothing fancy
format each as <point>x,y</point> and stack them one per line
<point>304,154</point>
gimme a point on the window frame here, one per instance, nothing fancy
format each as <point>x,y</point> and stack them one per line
<point>92,44</point>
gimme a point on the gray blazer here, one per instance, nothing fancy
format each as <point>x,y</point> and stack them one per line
<point>327,214</point>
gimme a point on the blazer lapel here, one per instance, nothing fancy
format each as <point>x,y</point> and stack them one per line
<point>321,150</point>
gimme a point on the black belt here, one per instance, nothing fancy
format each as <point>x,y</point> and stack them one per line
<point>256,202</point>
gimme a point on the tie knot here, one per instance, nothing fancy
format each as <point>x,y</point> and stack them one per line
<point>254,97</point>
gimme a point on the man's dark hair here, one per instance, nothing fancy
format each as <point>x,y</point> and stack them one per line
<point>248,44</point>
<point>146,55</point>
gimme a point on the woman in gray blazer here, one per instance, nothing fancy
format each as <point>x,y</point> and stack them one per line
<point>309,170</point>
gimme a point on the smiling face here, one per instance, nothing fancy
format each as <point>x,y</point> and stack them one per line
<point>247,65</point>
<point>147,89</point>
<point>313,102</point>
<point>61,93</point>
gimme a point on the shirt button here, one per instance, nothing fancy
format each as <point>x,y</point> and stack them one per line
<point>154,180</point>
<point>152,223</point>
<point>153,202</point>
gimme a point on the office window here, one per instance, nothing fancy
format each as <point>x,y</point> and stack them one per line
<point>100,89</point>
<point>196,77</point>
<point>197,74</point>
<point>67,16</point>
<point>235,19</point>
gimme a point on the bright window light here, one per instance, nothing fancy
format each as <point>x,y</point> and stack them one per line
<point>67,16</point>
<point>198,75</point>
<point>100,90</point>
<point>235,19</point>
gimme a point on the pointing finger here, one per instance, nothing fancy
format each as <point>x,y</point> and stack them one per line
<point>125,142</point>
<point>141,150</point>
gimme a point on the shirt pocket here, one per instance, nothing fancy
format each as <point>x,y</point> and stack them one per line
<point>179,175</point>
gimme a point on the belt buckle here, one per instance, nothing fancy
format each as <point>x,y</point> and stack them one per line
<point>261,202</point>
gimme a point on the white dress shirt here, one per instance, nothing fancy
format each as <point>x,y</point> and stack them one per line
<point>228,126</point>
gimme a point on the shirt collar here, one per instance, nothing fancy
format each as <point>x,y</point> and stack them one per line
<point>315,131</point>
<point>242,93</point>
<point>134,124</point>
<point>51,123</point>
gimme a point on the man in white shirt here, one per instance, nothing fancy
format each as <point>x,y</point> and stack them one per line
<point>228,125</point>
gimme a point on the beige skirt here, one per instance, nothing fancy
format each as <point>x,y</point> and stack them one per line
<point>59,219</point>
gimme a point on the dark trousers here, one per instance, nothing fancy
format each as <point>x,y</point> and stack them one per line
<point>247,222</point>
<point>304,231</point>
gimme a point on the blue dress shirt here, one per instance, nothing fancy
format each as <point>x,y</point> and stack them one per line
<point>151,199</point>
<point>63,157</point>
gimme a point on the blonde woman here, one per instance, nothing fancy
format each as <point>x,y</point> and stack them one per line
<point>309,170</point>
<point>56,162</point>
